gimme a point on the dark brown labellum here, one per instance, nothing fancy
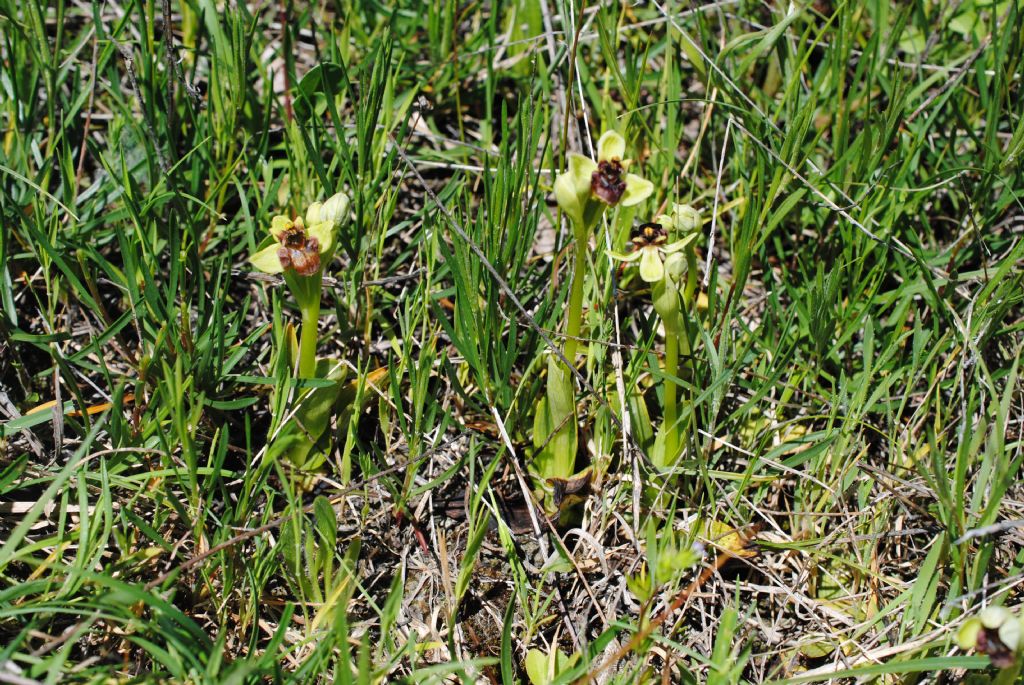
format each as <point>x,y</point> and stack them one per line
<point>649,234</point>
<point>295,238</point>
<point>607,183</point>
<point>990,644</point>
<point>299,251</point>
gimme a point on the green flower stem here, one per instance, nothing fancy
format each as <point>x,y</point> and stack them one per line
<point>665,297</point>
<point>671,411</point>
<point>691,278</point>
<point>574,315</point>
<point>1008,675</point>
<point>308,339</point>
<point>682,344</point>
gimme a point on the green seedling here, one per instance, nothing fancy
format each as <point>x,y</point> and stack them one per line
<point>543,669</point>
<point>584,191</point>
<point>671,269</point>
<point>668,558</point>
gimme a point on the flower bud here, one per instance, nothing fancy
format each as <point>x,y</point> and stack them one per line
<point>675,266</point>
<point>568,199</point>
<point>313,213</point>
<point>333,210</point>
<point>1009,634</point>
<point>685,218</point>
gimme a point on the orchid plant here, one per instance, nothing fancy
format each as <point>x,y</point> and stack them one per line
<point>298,249</point>
<point>584,192</point>
<point>671,269</point>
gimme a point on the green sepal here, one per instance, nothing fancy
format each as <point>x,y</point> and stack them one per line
<point>266,259</point>
<point>637,190</point>
<point>611,145</point>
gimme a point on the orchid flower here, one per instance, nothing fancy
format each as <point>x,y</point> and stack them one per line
<point>995,631</point>
<point>652,249</point>
<point>588,186</point>
<point>670,268</point>
<point>299,245</point>
<point>584,191</point>
<point>298,249</point>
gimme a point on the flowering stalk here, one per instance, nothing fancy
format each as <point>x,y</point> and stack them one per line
<point>663,265</point>
<point>671,411</point>
<point>667,305</point>
<point>574,315</point>
<point>298,249</point>
<point>308,338</point>
<point>584,191</point>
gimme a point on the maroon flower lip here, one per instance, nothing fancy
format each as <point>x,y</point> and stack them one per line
<point>607,183</point>
<point>649,234</point>
<point>299,252</point>
<point>990,644</point>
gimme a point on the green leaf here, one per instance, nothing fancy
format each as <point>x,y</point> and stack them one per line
<point>301,433</point>
<point>326,521</point>
<point>543,669</point>
<point>929,665</point>
<point>555,418</point>
<point>311,93</point>
<point>507,672</point>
